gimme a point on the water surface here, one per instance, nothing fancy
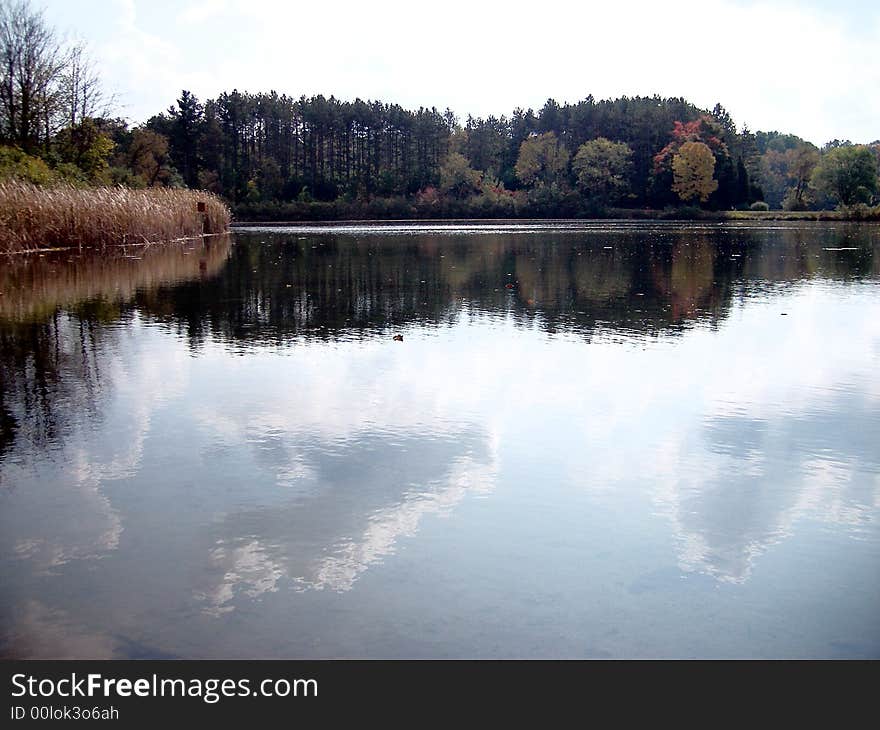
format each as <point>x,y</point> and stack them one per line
<point>595,440</point>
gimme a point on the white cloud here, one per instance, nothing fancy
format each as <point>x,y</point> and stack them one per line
<point>774,65</point>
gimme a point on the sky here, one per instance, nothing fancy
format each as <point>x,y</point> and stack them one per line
<point>808,67</point>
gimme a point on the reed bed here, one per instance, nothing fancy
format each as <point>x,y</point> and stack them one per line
<point>34,217</point>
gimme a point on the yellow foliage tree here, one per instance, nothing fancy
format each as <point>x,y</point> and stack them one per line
<point>693,168</point>
<point>458,177</point>
<point>542,160</point>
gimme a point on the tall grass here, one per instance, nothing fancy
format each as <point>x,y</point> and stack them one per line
<point>34,217</point>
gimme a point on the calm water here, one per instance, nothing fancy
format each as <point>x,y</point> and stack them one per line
<point>593,441</point>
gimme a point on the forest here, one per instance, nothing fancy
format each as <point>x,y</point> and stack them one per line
<point>276,156</point>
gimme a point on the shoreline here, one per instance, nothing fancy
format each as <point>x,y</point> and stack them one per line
<point>613,214</point>
<point>728,217</point>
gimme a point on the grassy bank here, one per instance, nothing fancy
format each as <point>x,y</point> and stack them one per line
<point>855,213</point>
<point>34,217</point>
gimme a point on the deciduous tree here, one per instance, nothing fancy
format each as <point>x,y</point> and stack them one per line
<point>847,174</point>
<point>80,93</point>
<point>31,64</point>
<point>147,157</point>
<point>542,160</point>
<point>785,175</point>
<point>458,178</point>
<point>692,168</point>
<point>602,169</point>
<point>85,146</point>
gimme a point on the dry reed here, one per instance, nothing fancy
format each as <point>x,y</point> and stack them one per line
<point>34,217</point>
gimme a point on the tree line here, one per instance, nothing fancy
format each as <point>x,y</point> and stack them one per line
<point>273,154</point>
<point>257,148</point>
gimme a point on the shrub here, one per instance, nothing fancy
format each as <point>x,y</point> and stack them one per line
<point>862,212</point>
<point>16,165</point>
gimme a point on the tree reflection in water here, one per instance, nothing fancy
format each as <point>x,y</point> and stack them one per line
<point>298,466</point>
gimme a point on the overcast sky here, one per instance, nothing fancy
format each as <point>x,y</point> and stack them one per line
<point>809,67</point>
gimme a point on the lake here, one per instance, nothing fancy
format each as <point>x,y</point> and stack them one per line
<point>593,440</point>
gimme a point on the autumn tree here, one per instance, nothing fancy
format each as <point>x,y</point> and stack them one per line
<point>785,175</point>
<point>147,157</point>
<point>705,130</point>
<point>693,167</point>
<point>542,160</point>
<point>801,164</point>
<point>774,176</point>
<point>709,131</point>
<point>602,169</point>
<point>847,174</point>
<point>458,178</point>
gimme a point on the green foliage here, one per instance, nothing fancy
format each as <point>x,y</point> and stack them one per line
<point>269,179</point>
<point>767,141</point>
<point>72,175</point>
<point>603,169</point>
<point>146,156</point>
<point>496,202</point>
<point>759,205</point>
<point>30,75</point>
<point>458,178</point>
<point>17,165</point>
<point>268,147</point>
<point>126,177</point>
<point>847,174</point>
<point>363,149</point>
<point>494,192</point>
<point>785,176</point>
<point>485,144</point>
<point>693,167</point>
<point>862,212</point>
<point>184,135</point>
<point>542,160</point>
<point>88,149</point>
